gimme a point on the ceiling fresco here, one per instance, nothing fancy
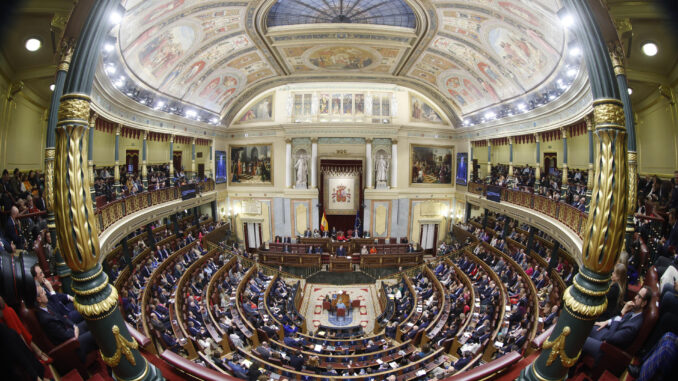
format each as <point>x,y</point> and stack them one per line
<point>476,53</point>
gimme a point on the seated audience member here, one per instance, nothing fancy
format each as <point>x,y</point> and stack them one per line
<point>363,250</point>
<point>660,363</point>
<point>16,359</point>
<point>373,250</point>
<point>615,295</point>
<point>621,330</point>
<point>59,303</point>
<point>11,319</point>
<point>59,329</point>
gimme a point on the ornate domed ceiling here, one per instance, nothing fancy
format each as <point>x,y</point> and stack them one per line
<point>469,54</point>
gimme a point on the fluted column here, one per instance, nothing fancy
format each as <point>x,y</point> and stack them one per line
<point>617,56</point>
<point>368,163</point>
<point>489,159</point>
<point>603,232</point>
<point>394,163</point>
<point>288,163</point>
<point>95,298</point>
<point>537,169</point>
<point>144,158</point>
<point>90,155</point>
<point>510,171</point>
<point>62,269</point>
<point>116,169</point>
<point>589,180</point>
<point>564,186</point>
<point>193,158</point>
<point>171,158</point>
<point>314,163</point>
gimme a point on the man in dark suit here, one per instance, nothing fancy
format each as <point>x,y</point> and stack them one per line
<point>621,330</point>
<point>13,230</point>
<point>60,329</point>
<point>297,361</point>
<point>341,251</point>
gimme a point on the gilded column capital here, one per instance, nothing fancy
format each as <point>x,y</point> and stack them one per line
<point>510,140</point>
<point>563,131</point>
<point>171,138</point>
<point>536,137</point>
<point>66,55</point>
<point>118,129</point>
<point>288,140</point>
<point>617,57</point>
<point>93,120</point>
<point>368,140</point>
<point>314,139</point>
<point>145,134</point>
<point>73,107</point>
<point>193,141</point>
<point>394,141</point>
<point>489,143</point>
<point>589,122</point>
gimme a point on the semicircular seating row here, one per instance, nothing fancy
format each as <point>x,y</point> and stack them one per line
<point>476,308</point>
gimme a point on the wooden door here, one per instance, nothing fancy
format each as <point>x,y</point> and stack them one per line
<point>176,161</point>
<point>132,161</point>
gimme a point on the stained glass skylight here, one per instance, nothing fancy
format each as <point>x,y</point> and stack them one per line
<point>379,12</point>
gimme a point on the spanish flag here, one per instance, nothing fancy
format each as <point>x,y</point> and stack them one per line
<point>324,226</point>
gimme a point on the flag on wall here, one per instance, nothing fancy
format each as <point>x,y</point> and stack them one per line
<point>324,226</point>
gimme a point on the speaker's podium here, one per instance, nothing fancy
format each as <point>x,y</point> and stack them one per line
<point>340,264</point>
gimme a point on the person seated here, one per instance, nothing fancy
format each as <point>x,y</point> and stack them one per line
<point>373,250</point>
<point>59,329</point>
<point>341,236</point>
<point>410,248</point>
<point>58,302</point>
<point>619,331</point>
<point>309,249</point>
<point>318,250</point>
<point>363,250</point>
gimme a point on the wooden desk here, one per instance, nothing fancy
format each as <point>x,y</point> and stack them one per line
<point>340,264</point>
<point>287,259</point>
<point>387,260</point>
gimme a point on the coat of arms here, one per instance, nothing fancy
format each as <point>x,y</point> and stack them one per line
<point>341,194</point>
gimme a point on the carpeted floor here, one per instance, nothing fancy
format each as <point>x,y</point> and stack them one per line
<point>312,307</point>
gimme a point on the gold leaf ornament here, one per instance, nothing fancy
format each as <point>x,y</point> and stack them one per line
<point>122,347</point>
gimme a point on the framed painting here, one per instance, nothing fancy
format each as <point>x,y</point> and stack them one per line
<point>431,165</point>
<point>220,164</point>
<point>421,111</point>
<point>250,164</point>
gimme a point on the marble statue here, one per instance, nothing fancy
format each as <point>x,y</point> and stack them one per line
<point>382,170</point>
<point>302,167</point>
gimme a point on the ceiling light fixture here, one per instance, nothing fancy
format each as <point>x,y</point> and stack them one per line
<point>521,106</point>
<point>567,20</point>
<point>650,49</point>
<point>191,113</point>
<point>108,48</point>
<point>111,69</point>
<point>51,87</point>
<point>630,90</point>
<point>575,51</point>
<point>33,44</point>
<point>116,18</point>
<point>572,72</point>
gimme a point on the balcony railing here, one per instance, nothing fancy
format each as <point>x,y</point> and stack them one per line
<point>567,214</point>
<point>112,212</point>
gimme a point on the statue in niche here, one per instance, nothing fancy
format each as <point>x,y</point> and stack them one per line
<point>382,171</point>
<point>301,166</point>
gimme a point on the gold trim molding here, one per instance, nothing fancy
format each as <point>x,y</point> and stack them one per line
<point>122,347</point>
<point>557,347</point>
<point>608,112</point>
<point>74,107</point>
<point>581,308</point>
<point>92,310</point>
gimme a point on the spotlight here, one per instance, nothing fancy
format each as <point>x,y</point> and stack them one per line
<point>51,87</point>
<point>108,48</point>
<point>521,106</point>
<point>572,72</point>
<point>630,90</point>
<point>159,104</point>
<point>33,44</point>
<point>490,115</point>
<point>650,49</point>
<point>111,69</point>
<point>191,113</point>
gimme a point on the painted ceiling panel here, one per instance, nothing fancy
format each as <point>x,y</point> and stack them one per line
<point>478,53</point>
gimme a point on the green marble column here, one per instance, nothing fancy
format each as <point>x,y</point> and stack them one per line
<point>63,271</point>
<point>144,155</point>
<point>617,56</point>
<point>537,169</point>
<point>603,233</point>
<point>95,298</point>
<point>116,170</point>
